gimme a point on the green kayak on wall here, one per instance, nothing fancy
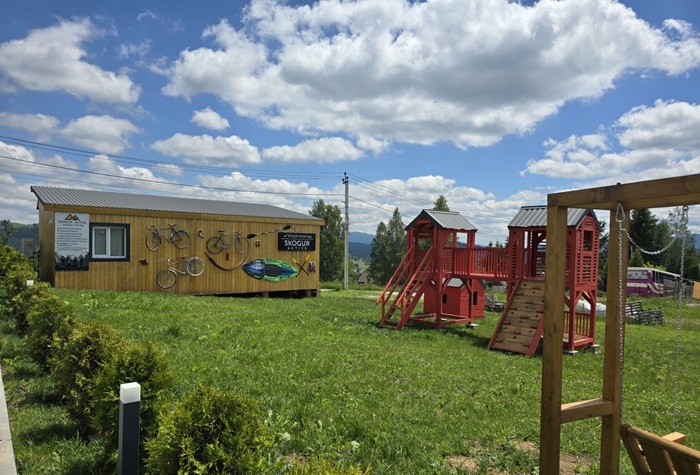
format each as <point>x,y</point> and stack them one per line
<point>270,269</point>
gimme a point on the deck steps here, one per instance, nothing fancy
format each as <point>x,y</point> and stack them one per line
<point>520,327</point>
<point>407,298</point>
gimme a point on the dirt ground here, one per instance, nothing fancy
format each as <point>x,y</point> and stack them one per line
<point>569,464</point>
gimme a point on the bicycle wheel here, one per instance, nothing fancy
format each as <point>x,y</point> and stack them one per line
<point>153,240</point>
<point>166,278</point>
<point>215,245</point>
<point>194,266</point>
<point>180,238</point>
<point>241,244</point>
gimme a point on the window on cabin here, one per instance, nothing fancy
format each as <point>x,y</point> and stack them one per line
<point>109,242</point>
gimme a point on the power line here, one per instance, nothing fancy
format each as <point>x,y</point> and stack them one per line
<point>316,175</point>
<point>159,182</point>
<point>371,204</point>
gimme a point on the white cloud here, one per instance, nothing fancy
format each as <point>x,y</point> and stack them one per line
<point>682,28</point>
<point>18,204</point>
<point>373,145</point>
<point>424,72</point>
<point>104,133</point>
<point>104,165</point>
<point>210,119</point>
<point>138,50</point>
<point>205,149</point>
<point>147,14</point>
<point>43,126</point>
<point>323,150</point>
<point>659,141</point>
<point>18,159</point>
<point>53,59</point>
<point>665,125</point>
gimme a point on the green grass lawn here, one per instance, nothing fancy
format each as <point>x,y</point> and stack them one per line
<point>333,385</point>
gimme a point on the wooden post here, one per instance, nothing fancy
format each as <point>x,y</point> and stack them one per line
<point>612,389</point>
<point>553,333</point>
<point>129,415</point>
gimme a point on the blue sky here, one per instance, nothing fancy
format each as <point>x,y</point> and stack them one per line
<point>491,103</point>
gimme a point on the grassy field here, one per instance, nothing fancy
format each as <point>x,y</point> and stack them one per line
<point>333,385</point>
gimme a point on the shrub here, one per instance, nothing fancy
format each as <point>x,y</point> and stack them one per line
<point>15,271</point>
<point>210,431</point>
<point>77,363</point>
<point>130,362</point>
<point>49,316</point>
<point>22,303</point>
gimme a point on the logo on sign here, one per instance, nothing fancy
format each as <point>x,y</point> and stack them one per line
<point>296,242</point>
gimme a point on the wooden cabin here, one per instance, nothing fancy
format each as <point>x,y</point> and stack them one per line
<point>102,240</point>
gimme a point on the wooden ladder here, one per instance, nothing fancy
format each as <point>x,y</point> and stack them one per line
<point>520,326</point>
<point>407,299</point>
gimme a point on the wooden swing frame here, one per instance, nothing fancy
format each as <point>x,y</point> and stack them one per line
<point>666,192</point>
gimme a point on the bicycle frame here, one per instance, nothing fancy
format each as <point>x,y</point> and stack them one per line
<point>179,238</point>
<point>226,240</point>
<point>167,278</point>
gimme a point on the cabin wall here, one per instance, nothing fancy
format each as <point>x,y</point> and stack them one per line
<point>46,245</point>
<point>140,271</point>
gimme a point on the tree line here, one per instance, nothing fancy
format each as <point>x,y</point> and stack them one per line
<point>656,243</point>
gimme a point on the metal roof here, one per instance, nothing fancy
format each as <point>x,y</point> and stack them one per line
<point>110,200</point>
<point>536,216</point>
<point>445,220</point>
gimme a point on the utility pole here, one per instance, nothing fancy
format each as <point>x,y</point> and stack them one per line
<point>347,226</point>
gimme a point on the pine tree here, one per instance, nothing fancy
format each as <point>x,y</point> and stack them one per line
<point>378,255</point>
<point>441,204</point>
<point>331,241</point>
<point>388,249</point>
<point>648,234</point>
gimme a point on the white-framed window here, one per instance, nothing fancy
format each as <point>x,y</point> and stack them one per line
<point>109,241</point>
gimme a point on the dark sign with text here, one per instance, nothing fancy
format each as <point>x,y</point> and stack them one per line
<point>296,242</point>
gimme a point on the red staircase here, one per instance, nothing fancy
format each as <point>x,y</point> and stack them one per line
<point>520,327</point>
<point>409,288</point>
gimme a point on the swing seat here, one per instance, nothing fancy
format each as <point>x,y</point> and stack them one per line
<point>654,455</point>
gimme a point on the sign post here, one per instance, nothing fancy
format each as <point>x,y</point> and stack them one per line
<point>129,409</point>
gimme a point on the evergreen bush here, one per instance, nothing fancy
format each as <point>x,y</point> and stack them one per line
<point>15,270</point>
<point>211,431</point>
<point>130,362</point>
<point>77,363</point>
<point>22,303</point>
<point>48,317</point>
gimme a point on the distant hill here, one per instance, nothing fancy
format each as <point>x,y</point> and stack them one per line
<point>362,238</point>
<point>697,241</point>
<point>359,250</point>
<point>21,231</point>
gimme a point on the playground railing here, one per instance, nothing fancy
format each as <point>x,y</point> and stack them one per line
<point>582,324</point>
<point>481,262</point>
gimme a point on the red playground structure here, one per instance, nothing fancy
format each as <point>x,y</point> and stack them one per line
<point>443,266</point>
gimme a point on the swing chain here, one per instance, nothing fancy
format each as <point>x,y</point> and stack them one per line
<point>620,217</point>
<point>680,234</point>
<point>683,223</point>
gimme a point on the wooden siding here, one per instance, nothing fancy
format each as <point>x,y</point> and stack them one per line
<point>139,273</point>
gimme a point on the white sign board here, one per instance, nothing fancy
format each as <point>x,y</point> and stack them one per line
<point>72,241</point>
